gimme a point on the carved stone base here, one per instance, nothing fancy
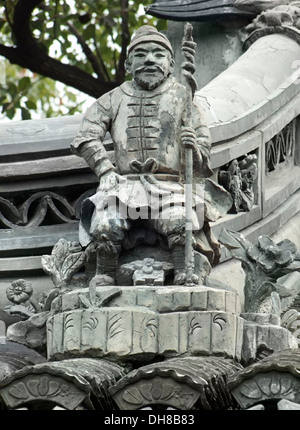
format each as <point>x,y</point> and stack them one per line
<point>141,323</point>
<point>161,299</point>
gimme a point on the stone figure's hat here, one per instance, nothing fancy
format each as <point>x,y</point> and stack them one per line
<point>147,33</point>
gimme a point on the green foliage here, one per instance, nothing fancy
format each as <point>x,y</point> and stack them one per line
<point>26,95</point>
<point>66,31</point>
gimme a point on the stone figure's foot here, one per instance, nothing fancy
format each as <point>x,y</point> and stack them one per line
<point>181,278</point>
<point>103,280</point>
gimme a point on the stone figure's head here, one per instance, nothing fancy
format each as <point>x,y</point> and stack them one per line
<point>150,58</point>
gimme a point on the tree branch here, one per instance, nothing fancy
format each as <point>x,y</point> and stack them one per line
<point>10,53</point>
<point>28,54</point>
<point>105,72</point>
<point>86,49</point>
<point>125,41</point>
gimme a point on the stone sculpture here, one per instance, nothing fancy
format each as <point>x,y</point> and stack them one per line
<point>144,342</point>
<point>19,293</point>
<point>281,15</point>
<point>238,178</point>
<point>265,264</point>
<point>142,197</point>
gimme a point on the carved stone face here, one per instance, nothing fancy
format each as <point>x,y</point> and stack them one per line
<point>150,64</point>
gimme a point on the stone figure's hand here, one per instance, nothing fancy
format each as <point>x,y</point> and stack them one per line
<point>109,180</point>
<point>188,137</point>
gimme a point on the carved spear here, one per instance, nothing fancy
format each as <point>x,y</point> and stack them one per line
<point>188,68</point>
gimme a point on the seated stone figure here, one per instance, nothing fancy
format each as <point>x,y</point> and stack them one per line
<point>141,196</point>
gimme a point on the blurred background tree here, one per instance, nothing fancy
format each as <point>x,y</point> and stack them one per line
<point>59,53</point>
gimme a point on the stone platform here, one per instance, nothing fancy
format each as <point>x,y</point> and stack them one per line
<point>145,322</point>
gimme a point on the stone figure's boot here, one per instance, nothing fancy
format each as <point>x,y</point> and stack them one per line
<point>180,275</point>
<point>107,263</point>
<point>178,256</point>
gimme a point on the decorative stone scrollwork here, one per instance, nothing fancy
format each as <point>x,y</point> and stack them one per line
<point>44,207</point>
<point>281,147</point>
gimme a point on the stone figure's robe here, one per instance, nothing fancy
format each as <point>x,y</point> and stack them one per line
<point>143,125</point>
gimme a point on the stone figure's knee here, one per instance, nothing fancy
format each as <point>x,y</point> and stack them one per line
<point>106,227</point>
<point>172,221</point>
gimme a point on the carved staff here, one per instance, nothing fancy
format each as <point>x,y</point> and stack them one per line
<point>188,68</point>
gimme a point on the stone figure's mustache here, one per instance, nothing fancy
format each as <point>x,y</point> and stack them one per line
<point>149,69</point>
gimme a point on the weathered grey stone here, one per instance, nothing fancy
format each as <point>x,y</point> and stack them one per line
<point>65,260</point>
<point>146,323</point>
<point>45,385</point>
<point>2,332</point>
<point>183,383</point>
<point>256,408</point>
<point>279,186</point>
<point>263,264</point>
<point>271,379</point>
<point>239,177</point>
<point>266,386</point>
<point>125,333</point>
<point>287,405</point>
<point>261,336</point>
<point>122,333</point>
<point>262,318</point>
<point>161,299</point>
<point>146,272</point>
<point>279,16</point>
<point>36,238</point>
<point>225,45</point>
<point>240,107</point>
<point>128,189</point>
<point>31,333</point>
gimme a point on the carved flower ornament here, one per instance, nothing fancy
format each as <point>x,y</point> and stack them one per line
<point>19,291</point>
<point>271,256</point>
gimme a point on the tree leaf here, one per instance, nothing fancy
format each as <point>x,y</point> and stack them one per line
<point>25,114</point>
<point>24,83</point>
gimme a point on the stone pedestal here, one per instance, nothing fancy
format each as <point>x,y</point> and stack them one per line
<point>144,322</point>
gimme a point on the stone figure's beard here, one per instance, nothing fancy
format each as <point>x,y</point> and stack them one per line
<point>150,78</point>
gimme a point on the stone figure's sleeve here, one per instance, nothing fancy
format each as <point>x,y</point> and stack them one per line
<point>89,141</point>
<point>203,143</point>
